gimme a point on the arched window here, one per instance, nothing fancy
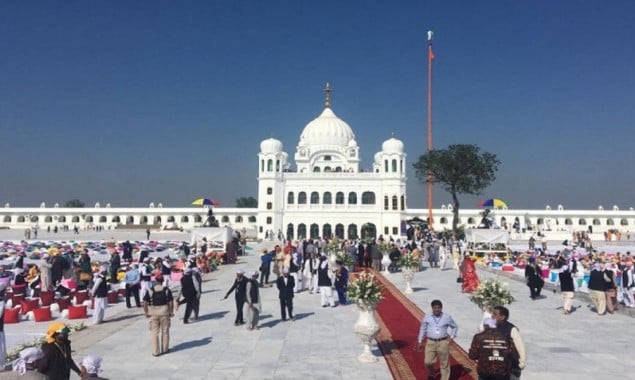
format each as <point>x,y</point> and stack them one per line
<point>290,198</point>
<point>352,198</point>
<point>385,202</point>
<point>394,166</point>
<point>224,219</point>
<point>171,219</point>
<point>62,219</point>
<point>277,165</point>
<point>610,222</point>
<point>339,231</point>
<point>443,220</point>
<point>102,219</point>
<point>315,231</point>
<point>301,231</point>
<point>262,165</point>
<point>252,219</point>
<point>540,221</point>
<point>157,220</point>
<point>623,222</point>
<point>403,202</point>
<point>316,169</point>
<point>470,220</point>
<point>327,233</point>
<point>339,198</point>
<point>89,219</point>
<point>301,198</point>
<point>368,198</point>
<point>75,219</point>
<point>185,219</point>
<point>327,198</point>
<point>290,231</point>
<point>115,219</point>
<point>197,219</point>
<point>568,222</point>
<point>352,231</point>
<point>48,219</point>
<point>582,222</point>
<point>238,219</point>
<point>315,198</point>
<point>596,222</point>
<point>269,165</point>
<point>7,219</point>
<point>395,201</point>
<point>386,166</point>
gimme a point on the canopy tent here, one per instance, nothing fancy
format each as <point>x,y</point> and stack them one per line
<point>486,235</point>
<point>216,237</point>
<point>484,241</point>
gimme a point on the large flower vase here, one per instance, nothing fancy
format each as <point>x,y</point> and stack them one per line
<point>366,329</point>
<point>332,260</point>
<point>385,262</point>
<point>408,275</point>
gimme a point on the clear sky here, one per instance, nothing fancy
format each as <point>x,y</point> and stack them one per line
<point>132,102</point>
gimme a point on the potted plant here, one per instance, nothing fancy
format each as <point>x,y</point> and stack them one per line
<point>367,293</point>
<point>346,259</point>
<point>408,264</point>
<point>490,293</point>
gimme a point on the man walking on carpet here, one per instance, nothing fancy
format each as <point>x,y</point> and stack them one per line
<point>436,331</point>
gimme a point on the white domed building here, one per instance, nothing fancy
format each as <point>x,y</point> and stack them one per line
<point>325,193</point>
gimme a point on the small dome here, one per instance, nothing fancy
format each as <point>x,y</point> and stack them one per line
<point>392,145</point>
<point>327,129</point>
<point>270,145</point>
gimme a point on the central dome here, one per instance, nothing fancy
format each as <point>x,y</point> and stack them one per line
<point>327,129</point>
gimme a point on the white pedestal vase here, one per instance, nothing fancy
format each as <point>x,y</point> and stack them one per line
<point>487,313</point>
<point>385,262</point>
<point>366,329</point>
<point>408,275</point>
<point>332,260</point>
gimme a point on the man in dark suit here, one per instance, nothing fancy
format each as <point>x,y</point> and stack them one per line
<point>285,285</point>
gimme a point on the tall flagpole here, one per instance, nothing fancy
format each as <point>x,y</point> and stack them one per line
<point>429,120</point>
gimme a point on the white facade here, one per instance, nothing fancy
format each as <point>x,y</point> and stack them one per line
<point>323,193</point>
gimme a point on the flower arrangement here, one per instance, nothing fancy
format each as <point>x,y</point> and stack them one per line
<point>333,246</point>
<point>491,293</point>
<point>15,352</point>
<point>384,247</point>
<point>408,261</point>
<point>346,259</point>
<point>365,288</point>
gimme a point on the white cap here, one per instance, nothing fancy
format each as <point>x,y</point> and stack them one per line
<point>240,271</point>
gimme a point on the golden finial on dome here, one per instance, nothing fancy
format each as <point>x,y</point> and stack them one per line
<point>327,91</point>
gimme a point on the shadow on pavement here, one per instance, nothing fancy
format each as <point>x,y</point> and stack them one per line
<point>191,344</point>
<point>217,315</point>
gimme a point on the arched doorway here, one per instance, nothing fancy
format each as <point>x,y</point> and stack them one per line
<point>369,231</point>
<point>314,232</point>
<point>339,231</point>
<point>302,231</point>
<point>352,231</point>
<point>327,233</point>
<point>290,231</point>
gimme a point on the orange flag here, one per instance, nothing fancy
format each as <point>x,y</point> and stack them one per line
<point>430,53</point>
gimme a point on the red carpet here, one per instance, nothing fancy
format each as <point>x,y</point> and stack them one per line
<point>400,320</point>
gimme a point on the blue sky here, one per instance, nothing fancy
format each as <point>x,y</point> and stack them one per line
<point>160,101</point>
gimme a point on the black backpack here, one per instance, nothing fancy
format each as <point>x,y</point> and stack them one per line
<point>159,298</point>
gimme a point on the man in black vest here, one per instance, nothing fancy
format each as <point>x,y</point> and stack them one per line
<point>501,314</point>
<point>240,286</point>
<point>158,306</point>
<point>597,288</point>
<point>285,284</point>
<point>100,296</point>
<point>189,292</point>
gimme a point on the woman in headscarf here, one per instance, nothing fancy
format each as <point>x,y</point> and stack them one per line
<point>57,352</point>
<point>469,276</point>
<point>27,365</point>
<point>91,365</point>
